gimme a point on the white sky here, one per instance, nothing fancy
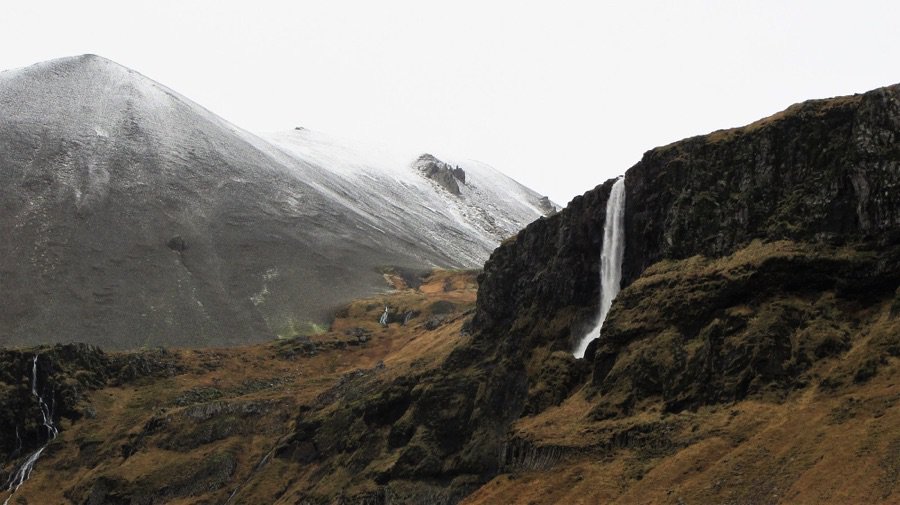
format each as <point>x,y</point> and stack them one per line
<point>559,95</point>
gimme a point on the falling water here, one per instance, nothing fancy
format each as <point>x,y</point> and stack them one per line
<point>610,260</point>
<point>24,471</point>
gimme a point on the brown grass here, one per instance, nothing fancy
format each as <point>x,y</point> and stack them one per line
<point>256,374</point>
<point>816,446</point>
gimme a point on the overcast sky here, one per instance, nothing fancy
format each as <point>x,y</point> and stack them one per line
<point>559,95</point>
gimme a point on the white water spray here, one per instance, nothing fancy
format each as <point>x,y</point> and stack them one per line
<point>610,260</point>
<point>24,471</point>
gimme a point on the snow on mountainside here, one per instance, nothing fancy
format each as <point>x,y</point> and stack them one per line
<point>387,188</point>
<point>133,216</point>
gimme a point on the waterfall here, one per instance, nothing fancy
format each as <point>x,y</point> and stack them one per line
<point>24,471</point>
<point>610,259</point>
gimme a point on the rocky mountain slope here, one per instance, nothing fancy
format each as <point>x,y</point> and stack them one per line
<point>751,357</point>
<point>132,216</point>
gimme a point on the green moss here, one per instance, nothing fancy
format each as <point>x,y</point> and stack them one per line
<point>293,329</point>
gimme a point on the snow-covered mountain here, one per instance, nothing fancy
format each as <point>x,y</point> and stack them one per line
<point>132,216</point>
<point>392,192</point>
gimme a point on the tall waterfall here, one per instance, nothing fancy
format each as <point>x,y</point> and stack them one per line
<point>610,260</point>
<point>24,471</point>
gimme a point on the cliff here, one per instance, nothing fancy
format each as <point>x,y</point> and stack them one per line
<point>822,172</point>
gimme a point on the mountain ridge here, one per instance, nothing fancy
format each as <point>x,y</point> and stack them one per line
<point>137,217</point>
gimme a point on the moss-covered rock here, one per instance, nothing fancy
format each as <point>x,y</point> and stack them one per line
<point>704,331</point>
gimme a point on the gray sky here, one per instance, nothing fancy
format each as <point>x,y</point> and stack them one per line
<point>559,95</point>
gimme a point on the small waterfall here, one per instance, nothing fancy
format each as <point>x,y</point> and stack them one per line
<point>24,471</point>
<point>610,260</point>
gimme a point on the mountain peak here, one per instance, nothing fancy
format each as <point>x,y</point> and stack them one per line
<point>106,166</point>
<point>84,58</point>
<point>88,95</point>
<point>91,60</point>
<point>69,64</point>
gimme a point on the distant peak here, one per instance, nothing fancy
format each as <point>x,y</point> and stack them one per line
<point>63,85</point>
<point>94,59</point>
<point>88,58</point>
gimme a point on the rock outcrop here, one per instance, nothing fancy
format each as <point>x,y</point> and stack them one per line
<point>64,373</point>
<point>547,206</point>
<point>823,171</point>
<point>704,331</point>
<point>823,174</point>
<point>447,177</point>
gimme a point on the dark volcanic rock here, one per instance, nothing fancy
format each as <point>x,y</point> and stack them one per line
<point>550,267</point>
<point>698,332</point>
<point>821,171</point>
<point>459,174</point>
<point>65,373</point>
<point>824,171</point>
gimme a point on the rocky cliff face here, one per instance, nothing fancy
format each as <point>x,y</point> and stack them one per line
<point>822,177</point>
<point>823,171</point>
<point>445,175</point>
<point>63,375</point>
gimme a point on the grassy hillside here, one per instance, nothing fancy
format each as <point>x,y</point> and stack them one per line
<point>332,417</point>
<point>208,426</point>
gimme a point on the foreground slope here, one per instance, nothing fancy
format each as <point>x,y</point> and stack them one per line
<point>132,216</point>
<point>199,426</point>
<point>766,376</point>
